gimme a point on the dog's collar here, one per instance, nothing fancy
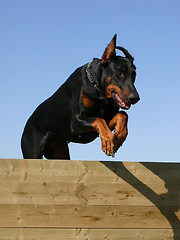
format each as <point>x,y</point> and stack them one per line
<point>90,78</point>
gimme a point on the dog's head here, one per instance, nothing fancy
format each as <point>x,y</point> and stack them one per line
<point>119,75</point>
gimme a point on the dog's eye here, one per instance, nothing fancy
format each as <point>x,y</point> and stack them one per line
<point>120,72</point>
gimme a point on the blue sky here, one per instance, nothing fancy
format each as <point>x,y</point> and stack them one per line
<point>42,42</point>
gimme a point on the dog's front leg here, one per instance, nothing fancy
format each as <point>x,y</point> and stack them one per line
<point>80,125</point>
<point>119,124</point>
<point>107,137</point>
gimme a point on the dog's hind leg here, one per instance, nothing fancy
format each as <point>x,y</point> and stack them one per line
<point>57,150</point>
<point>31,144</point>
<point>54,148</point>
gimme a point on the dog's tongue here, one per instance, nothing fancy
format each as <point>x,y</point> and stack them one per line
<point>120,102</point>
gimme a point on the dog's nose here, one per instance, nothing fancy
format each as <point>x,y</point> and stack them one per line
<point>134,98</point>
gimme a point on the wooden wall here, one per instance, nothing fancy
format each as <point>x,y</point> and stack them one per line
<point>59,200</point>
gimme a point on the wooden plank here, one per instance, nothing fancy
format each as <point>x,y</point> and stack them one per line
<point>85,171</point>
<point>52,192</point>
<point>88,234</point>
<point>87,216</point>
<point>93,183</point>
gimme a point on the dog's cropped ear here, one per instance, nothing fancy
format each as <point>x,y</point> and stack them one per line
<point>109,51</point>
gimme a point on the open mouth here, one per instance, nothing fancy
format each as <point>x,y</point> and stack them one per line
<point>119,101</point>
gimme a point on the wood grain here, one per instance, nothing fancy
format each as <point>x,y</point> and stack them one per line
<point>84,216</point>
<point>85,234</point>
<point>52,192</point>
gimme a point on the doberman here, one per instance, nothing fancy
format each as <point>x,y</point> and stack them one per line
<point>85,106</point>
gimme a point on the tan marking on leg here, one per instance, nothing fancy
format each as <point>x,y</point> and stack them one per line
<point>119,123</point>
<point>106,135</point>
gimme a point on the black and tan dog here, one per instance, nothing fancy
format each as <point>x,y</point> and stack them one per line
<point>85,106</point>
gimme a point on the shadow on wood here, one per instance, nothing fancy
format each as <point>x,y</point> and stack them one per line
<point>164,202</point>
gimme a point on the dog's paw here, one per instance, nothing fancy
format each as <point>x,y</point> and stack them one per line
<point>112,154</point>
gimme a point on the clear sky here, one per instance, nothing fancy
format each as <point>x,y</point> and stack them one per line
<point>43,41</point>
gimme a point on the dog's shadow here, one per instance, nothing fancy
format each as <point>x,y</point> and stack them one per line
<point>160,201</point>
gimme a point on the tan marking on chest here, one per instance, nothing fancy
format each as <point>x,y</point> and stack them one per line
<point>87,102</point>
